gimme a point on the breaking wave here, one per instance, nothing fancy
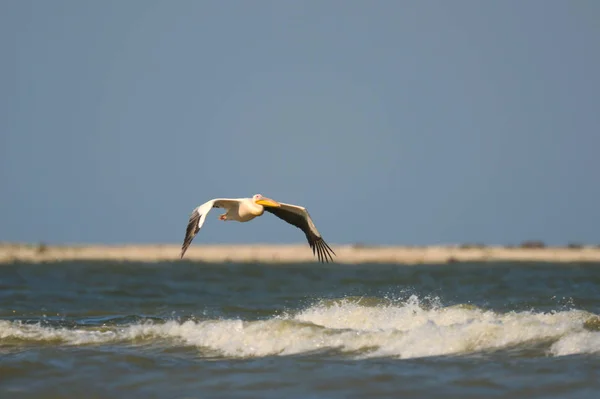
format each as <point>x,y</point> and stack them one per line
<point>356,327</point>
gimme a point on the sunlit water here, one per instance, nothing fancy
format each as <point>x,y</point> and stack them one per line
<point>193,330</point>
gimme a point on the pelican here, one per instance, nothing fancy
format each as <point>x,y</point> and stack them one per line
<point>246,209</point>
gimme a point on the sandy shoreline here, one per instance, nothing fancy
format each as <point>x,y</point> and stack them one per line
<point>292,253</point>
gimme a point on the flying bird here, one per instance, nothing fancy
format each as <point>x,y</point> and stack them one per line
<point>246,209</point>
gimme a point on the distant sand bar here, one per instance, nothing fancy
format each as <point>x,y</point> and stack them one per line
<point>349,254</point>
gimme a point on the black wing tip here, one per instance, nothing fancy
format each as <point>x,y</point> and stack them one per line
<point>322,250</point>
<point>190,232</point>
<point>184,248</point>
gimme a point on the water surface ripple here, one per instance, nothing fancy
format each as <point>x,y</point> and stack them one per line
<point>195,330</point>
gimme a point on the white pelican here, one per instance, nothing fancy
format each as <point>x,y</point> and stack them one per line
<point>246,209</point>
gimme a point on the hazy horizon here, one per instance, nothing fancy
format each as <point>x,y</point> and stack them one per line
<point>394,123</point>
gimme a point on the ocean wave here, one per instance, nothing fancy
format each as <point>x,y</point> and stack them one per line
<point>358,327</point>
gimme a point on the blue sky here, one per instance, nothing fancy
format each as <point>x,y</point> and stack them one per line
<point>393,122</point>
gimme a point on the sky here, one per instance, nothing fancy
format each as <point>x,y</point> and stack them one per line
<point>393,122</point>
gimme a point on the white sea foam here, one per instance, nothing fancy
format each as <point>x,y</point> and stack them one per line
<point>35,332</point>
<point>404,330</point>
<point>577,343</point>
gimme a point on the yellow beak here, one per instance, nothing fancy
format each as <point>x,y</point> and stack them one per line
<point>268,202</point>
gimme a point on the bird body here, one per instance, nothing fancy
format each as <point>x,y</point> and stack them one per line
<point>240,210</point>
<point>246,209</point>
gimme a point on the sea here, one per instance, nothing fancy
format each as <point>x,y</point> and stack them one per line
<point>198,330</point>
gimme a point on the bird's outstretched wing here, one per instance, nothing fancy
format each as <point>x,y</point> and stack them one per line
<point>198,217</point>
<point>299,217</point>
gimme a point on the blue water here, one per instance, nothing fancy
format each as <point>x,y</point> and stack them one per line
<point>195,330</point>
